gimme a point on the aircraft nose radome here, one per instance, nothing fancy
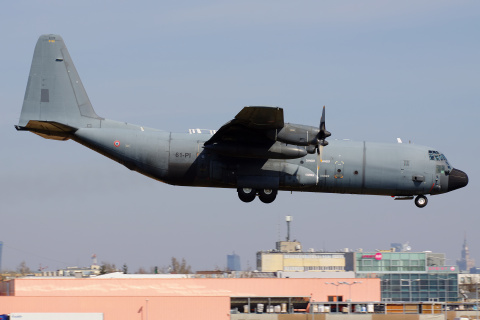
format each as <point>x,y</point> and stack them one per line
<point>457,179</point>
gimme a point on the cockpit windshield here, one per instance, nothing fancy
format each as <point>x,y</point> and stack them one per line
<point>437,156</point>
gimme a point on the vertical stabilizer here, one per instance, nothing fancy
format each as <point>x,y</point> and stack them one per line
<point>55,98</point>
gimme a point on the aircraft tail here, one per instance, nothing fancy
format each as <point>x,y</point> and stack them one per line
<point>56,103</point>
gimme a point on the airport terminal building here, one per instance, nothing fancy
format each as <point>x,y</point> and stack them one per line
<point>405,276</point>
<point>410,276</point>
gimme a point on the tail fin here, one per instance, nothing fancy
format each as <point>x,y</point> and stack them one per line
<point>55,102</point>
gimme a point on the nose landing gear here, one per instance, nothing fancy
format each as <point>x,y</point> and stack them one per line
<point>421,201</point>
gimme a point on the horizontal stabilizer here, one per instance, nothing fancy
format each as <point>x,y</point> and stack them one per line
<point>48,129</point>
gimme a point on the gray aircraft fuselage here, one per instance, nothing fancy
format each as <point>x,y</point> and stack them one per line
<point>256,153</point>
<point>347,166</point>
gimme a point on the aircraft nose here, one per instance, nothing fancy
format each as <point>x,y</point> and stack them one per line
<point>457,179</point>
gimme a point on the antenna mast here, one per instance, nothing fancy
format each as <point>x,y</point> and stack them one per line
<point>288,219</point>
<point>94,259</point>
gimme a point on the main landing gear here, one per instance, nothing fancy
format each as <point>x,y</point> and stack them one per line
<point>265,195</point>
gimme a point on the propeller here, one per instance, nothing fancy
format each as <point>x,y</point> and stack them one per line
<point>322,135</point>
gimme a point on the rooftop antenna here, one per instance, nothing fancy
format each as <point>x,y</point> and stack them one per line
<point>278,228</point>
<point>94,259</point>
<point>288,219</point>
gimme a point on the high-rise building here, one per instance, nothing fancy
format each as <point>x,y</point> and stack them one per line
<point>465,263</point>
<point>233,262</point>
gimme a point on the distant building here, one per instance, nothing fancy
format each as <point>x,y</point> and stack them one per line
<point>410,276</point>
<point>289,257</point>
<point>475,270</point>
<point>233,262</point>
<point>289,246</point>
<point>1,246</point>
<point>468,285</point>
<point>465,263</point>
<point>400,247</point>
<point>77,272</point>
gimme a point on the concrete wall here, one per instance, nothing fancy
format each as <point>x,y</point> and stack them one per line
<point>132,308</point>
<point>198,299</point>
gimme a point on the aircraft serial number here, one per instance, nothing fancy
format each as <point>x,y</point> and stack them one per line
<point>183,155</point>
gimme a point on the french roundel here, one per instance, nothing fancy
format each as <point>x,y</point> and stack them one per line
<point>116,143</point>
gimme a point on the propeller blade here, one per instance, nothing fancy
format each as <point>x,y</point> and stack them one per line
<point>323,133</point>
<point>322,121</point>
<point>321,142</point>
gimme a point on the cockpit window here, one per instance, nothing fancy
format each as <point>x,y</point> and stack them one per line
<point>437,156</point>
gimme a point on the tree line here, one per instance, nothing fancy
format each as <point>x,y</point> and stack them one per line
<point>176,266</point>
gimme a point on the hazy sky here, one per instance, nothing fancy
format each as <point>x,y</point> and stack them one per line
<point>384,69</point>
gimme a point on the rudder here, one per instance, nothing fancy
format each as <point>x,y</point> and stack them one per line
<point>55,99</point>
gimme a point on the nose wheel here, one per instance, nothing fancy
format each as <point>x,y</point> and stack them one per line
<point>421,201</point>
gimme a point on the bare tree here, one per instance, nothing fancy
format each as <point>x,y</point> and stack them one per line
<point>141,270</point>
<point>107,268</point>
<point>180,267</point>
<point>23,269</point>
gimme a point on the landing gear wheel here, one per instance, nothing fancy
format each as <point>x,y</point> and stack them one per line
<point>267,195</point>
<point>421,201</point>
<point>246,194</point>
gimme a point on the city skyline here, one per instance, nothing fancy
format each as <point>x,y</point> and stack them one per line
<point>234,259</point>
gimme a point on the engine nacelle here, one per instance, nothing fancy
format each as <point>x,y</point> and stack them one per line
<point>297,134</point>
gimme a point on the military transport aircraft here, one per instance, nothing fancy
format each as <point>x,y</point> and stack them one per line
<point>256,153</point>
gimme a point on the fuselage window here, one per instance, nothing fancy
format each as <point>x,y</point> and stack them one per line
<point>437,156</point>
<point>433,155</point>
<point>440,169</point>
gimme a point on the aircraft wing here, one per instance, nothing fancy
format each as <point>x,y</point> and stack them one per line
<point>250,125</point>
